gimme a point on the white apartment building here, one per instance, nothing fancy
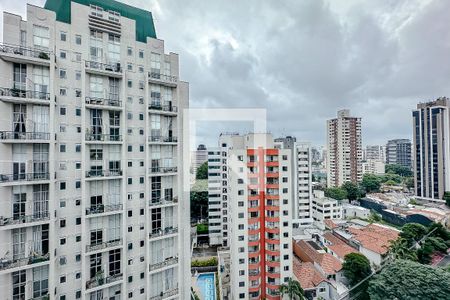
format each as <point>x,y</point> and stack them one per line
<point>302,179</point>
<point>373,166</point>
<point>90,131</point>
<point>344,149</point>
<point>324,208</point>
<point>259,216</point>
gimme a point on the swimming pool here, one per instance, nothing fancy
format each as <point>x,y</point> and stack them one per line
<point>206,285</point>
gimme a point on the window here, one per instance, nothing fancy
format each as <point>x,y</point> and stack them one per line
<point>141,53</point>
<point>62,185</point>
<point>62,148</point>
<point>62,92</point>
<point>62,74</point>
<point>78,39</point>
<point>41,36</point>
<point>62,223</point>
<point>130,67</point>
<point>77,147</point>
<point>130,83</point>
<point>130,51</point>
<point>62,279</point>
<point>77,57</point>
<point>63,54</point>
<point>40,281</point>
<point>63,36</point>
<point>77,75</point>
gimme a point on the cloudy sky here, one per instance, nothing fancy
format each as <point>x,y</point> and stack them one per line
<point>305,59</point>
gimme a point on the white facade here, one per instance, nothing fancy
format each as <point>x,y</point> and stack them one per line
<point>92,205</point>
<point>373,166</point>
<point>350,211</point>
<point>324,208</point>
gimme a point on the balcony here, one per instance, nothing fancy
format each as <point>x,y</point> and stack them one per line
<point>166,294</point>
<point>103,173</point>
<point>163,201</point>
<point>24,137</point>
<point>158,78</point>
<point>24,177</point>
<point>98,68</point>
<point>163,139</point>
<point>101,209</point>
<point>254,272</point>
<point>163,170</point>
<point>163,232</point>
<point>170,261</point>
<point>157,107</point>
<point>26,219</point>
<point>8,264</point>
<point>99,281</point>
<point>19,54</point>
<point>98,137</point>
<point>103,103</point>
<point>23,96</point>
<point>104,245</point>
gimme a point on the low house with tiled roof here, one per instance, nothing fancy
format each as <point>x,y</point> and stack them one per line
<point>336,246</point>
<point>312,281</point>
<point>373,241</point>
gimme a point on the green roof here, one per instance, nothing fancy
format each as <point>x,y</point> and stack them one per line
<point>144,20</point>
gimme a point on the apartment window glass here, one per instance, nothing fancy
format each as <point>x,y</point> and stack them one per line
<point>155,64</point>
<point>78,39</point>
<point>96,87</point>
<point>96,45</point>
<point>19,281</point>
<point>20,76</point>
<point>113,48</point>
<point>41,37</point>
<point>41,80</point>
<point>63,36</point>
<point>40,281</point>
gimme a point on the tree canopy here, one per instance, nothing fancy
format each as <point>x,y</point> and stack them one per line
<point>371,183</point>
<point>446,197</point>
<point>336,193</point>
<point>399,170</point>
<point>202,171</point>
<point>356,267</point>
<point>353,190</point>
<point>406,280</point>
<point>292,289</point>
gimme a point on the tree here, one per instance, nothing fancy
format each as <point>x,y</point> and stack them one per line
<point>292,289</point>
<point>336,193</point>
<point>431,245</point>
<point>371,183</point>
<point>356,267</point>
<point>199,205</point>
<point>399,170</point>
<point>413,232</point>
<point>353,190</point>
<point>404,279</point>
<point>446,197</point>
<point>202,171</point>
<point>400,249</point>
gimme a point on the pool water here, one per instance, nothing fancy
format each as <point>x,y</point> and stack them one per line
<point>206,285</point>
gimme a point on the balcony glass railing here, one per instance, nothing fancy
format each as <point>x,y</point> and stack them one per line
<point>166,294</point>
<point>98,137</point>
<point>14,135</point>
<point>101,280</point>
<point>161,107</point>
<point>104,67</point>
<point>103,101</point>
<point>24,51</point>
<point>163,200</point>
<point>162,232</point>
<point>163,139</point>
<point>163,169</point>
<point>100,208</point>
<point>6,264</point>
<point>17,93</point>
<point>104,173</point>
<point>41,216</point>
<point>103,245</point>
<point>167,262</point>
<point>24,177</point>
<point>162,77</point>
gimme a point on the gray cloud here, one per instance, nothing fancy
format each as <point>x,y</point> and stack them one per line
<point>303,60</point>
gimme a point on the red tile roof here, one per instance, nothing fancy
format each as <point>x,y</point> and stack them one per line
<point>374,237</point>
<point>307,275</point>
<point>330,224</point>
<point>340,248</point>
<point>329,264</point>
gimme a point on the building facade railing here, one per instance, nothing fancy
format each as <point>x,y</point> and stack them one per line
<point>6,264</point>
<point>36,217</point>
<point>15,135</point>
<point>103,67</point>
<point>18,93</point>
<point>99,137</point>
<point>167,262</point>
<point>36,176</point>
<point>162,232</point>
<point>99,281</point>
<point>103,101</point>
<point>24,51</point>
<point>162,139</point>
<point>104,245</point>
<point>101,208</point>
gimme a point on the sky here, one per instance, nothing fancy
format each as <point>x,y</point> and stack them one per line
<point>303,60</point>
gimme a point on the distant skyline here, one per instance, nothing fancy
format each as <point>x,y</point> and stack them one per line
<point>304,60</point>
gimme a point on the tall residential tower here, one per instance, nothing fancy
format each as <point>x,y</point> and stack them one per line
<point>344,149</point>
<point>90,143</point>
<point>398,152</point>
